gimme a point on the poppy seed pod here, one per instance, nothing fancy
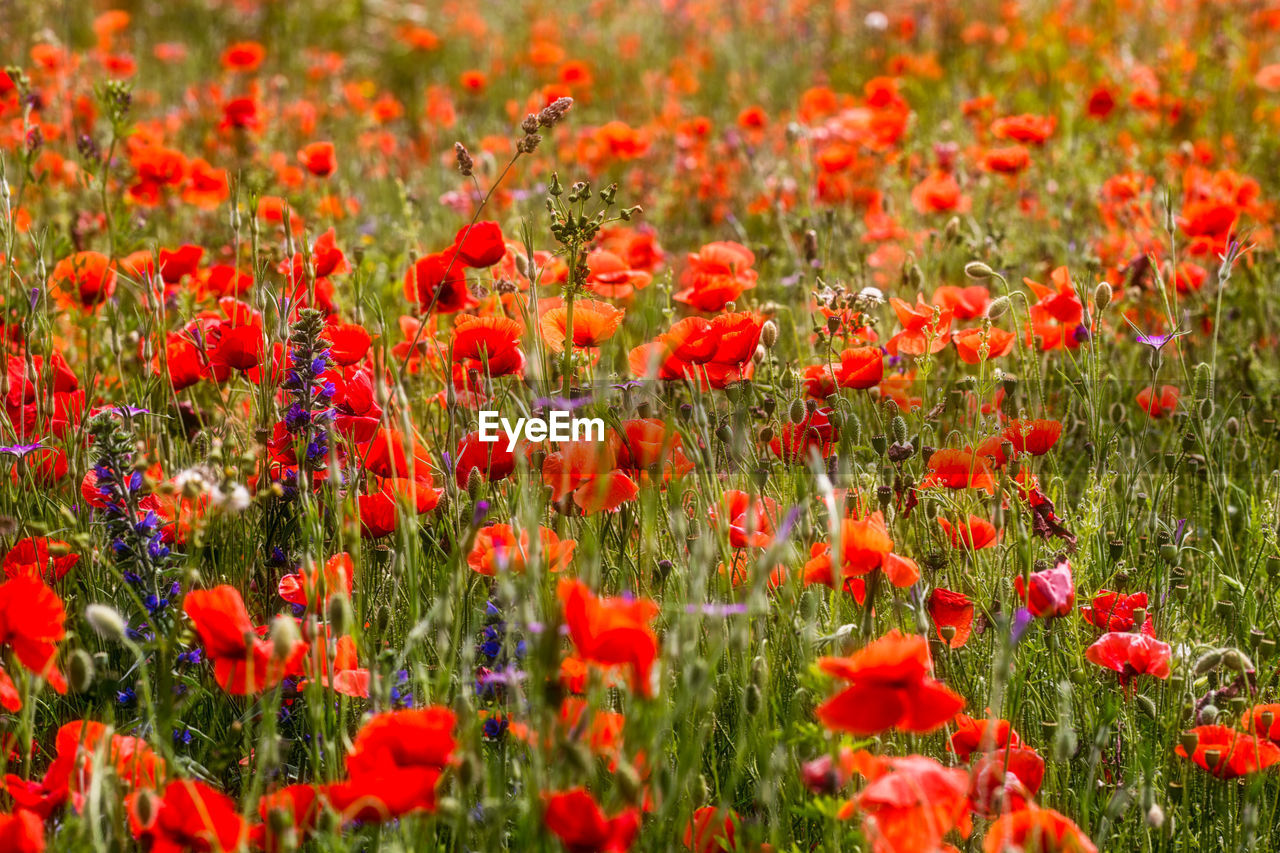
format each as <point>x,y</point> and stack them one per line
<point>284,636</point>
<point>880,443</point>
<point>978,270</point>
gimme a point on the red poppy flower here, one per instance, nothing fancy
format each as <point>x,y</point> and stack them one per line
<point>480,245</point>
<point>969,343</point>
<point>491,458</point>
<point>795,441</point>
<point>1005,780</point>
<point>84,279</point>
<point>889,687</point>
<point>31,625</point>
<point>711,830</point>
<point>609,275</point>
<point>438,283</point>
<point>1036,830</point>
<point>1227,753</point>
<point>319,584</point>
<point>612,631</point>
<point>954,610</point>
<point>910,803</point>
<point>712,352</point>
<point>980,734</point>
<point>959,469</point>
<point>1032,129</point>
<point>1114,611</point>
<point>348,343</point>
<point>749,518</point>
<point>497,547</point>
<point>240,114</point>
<point>588,470</point>
<point>490,345</point>
<point>39,557</point>
<point>300,806</point>
<point>576,819</point>
<point>1255,721</point>
<point>648,446</point>
<point>716,274</point>
<point>189,816</point>
<point>380,510</point>
<point>1161,406</point>
<point>21,832</point>
<point>1131,655</point>
<point>390,453</point>
<point>319,159</point>
<point>1049,593</point>
<point>975,534</point>
<point>924,327</point>
<point>243,663</point>
<point>243,56</point>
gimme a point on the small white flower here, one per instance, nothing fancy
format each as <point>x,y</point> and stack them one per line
<point>877,21</point>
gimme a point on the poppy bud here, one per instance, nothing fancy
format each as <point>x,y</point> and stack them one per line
<point>80,671</point>
<point>766,434</point>
<point>338,613</point>
<point>1206,410</point>
<point>752,700</point>
<point>978,269</point>
<point>106,621</point>
<point>796,412</point>
<point>1207,661</point>
<point>469,769</point>
<point>1237,660</point>
<point>475,483</point>
<point>144,805</point>
<point>1232,426</point>
<point>898,428</point>
<point>284,636</point>
<point>629,782</point>
<point>768,334</point>
<point>1117,413</point>
<point>998,307</point>
<point>811,245</point>
<point>1102,296</point>
<point>1147,706</point>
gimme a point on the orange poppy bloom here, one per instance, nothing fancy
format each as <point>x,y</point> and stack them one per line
<point>969,343</point>
<point>924,328</point>
<point>981,734</point>
<point>588,471</point>
<point>490,345</point>
<point>716,274</point>
<point>974,534</point>
<point>497,547</point>
<point>319,159</point>
<point>959,469</point>
<point>1036,830</point>
<point>594,322</point>
<point>910,803</point>
<point>84,279</point>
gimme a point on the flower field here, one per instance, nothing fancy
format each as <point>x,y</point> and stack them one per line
<point>919,485</point>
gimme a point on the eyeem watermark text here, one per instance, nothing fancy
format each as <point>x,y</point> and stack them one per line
<point>557,426</point>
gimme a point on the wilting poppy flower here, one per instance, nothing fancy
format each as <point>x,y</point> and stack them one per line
<point>189,816</point>
<point>31,626</point>
<point>497,547</point>
<point>711,830</point>
<point>716,274</point>
<point>1131,655</point>
<point>1114,611</point>
<point>889,687</point>
<point>438,283</point>
<point>1048,593</point>
<point>242,662</point>
<point>951,610</point>
<point>39,557</point>
<point>1036,830</point>
<point>910,803</point>
<point>576,819</point>
<point>1227,753</point>
<point>980,735</point>
<point>1159,405</point>
<point>959,469</point>
<point>612,631</point>
<point>318,158</point>
<point>480,245</point>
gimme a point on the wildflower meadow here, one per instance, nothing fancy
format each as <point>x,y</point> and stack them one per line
<point>600,426</point>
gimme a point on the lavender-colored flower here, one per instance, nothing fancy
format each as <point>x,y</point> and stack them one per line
<point>1022,620</point>
<point>21,450</point>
